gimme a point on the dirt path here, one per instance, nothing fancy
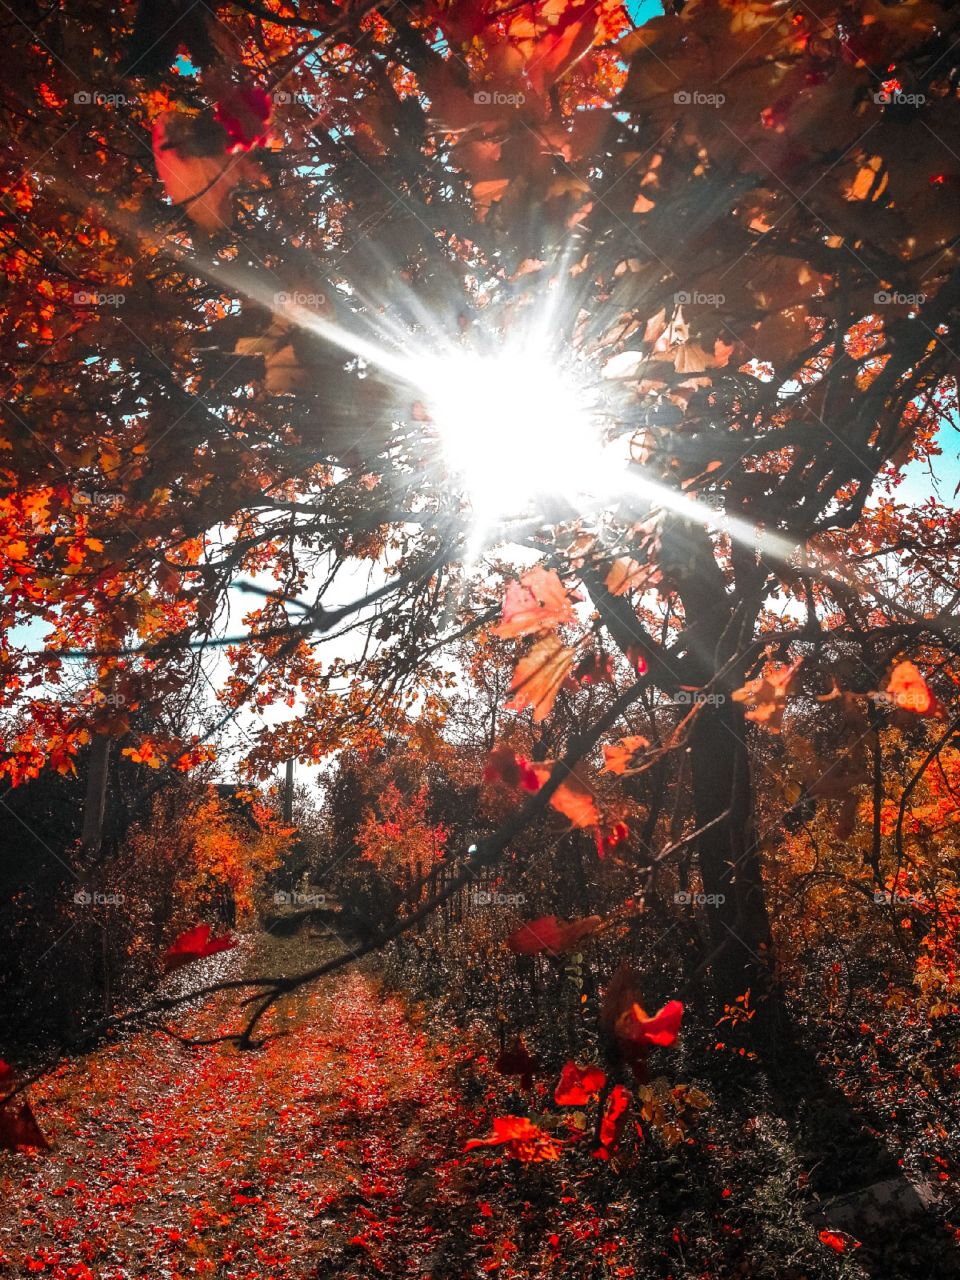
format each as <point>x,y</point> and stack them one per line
<point>327,1153</point>
<point>337,1151</point>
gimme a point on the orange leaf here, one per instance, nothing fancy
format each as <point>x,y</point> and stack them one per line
<point>523,1140</point>
<point>910,692</point>
<point>195,168</point>
<point>766,696</point>
<point>538,602</point>
<point>628,575</point>
<point>574,796</point>
<point>619,757</point>
<point>539,676</point>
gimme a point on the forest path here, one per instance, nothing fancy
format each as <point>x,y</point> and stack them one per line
<point>335,1150</point>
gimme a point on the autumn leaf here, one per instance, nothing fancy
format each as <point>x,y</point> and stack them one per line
<point>608,838</point>
<point>635,1028</point>
<point>910,692</point>
<point>578,1085</point>
<point>838,1241</point>
<point>626,574</point>
<point>614,1118</point>
<point>244,113</point>
<point>550,935</point>
<point>196,169</point>
<point>522,1138</point>
<point>620,757</point>
<point>538,602</point>
<point>539,677</point>
<point>766,695</point>
<point>195,944</point>
<point>146,753</point>
<point>573,797</point>
<point>504,765</point>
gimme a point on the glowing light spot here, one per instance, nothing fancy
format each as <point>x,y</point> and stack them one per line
<point>513,426</point>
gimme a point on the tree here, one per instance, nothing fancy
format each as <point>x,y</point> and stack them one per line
<point>734,229</point>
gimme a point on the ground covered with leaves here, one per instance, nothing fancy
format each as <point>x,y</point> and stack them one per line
<point>338,1150</point>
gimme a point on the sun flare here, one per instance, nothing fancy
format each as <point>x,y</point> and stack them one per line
<point>514,426</point>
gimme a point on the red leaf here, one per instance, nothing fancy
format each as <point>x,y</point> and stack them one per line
<point>6,1072</point>
<point>614,1115</point>
<point>636,1029</point>
<point>636,660</point>
<point>538,602</point>
<point>551,935</point>
<point>523,1140</point>
<point>20,1129</point>
<point>595,668</point>
<point>607,840</point>
<point>837,1241</point>
<point>577,1085</point>
<point>504,765</point>
<point>517,1061</point>
<point>244,113</point>
<point>195,944</point>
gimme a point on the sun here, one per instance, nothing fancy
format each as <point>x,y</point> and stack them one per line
<point>514,425</point>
